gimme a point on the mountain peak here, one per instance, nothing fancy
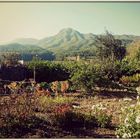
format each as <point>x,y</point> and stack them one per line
<point>70,33</point>
<point>67,30</point>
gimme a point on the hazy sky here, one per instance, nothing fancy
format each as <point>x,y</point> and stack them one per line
<point>38,20</point>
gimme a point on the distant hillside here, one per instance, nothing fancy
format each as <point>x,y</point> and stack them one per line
<point>16,47</point>
<point>67,42</point>
<point>127,37</point>
<point>27,51</point>
<point>70,40</point>
<point>26,41</point>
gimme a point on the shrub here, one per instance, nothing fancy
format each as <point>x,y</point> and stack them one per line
<point>47,71</point>
<point>130,122</point>
<point>103,119</point>
<point>19,106</point>
<point>86,77</point>
<point>15,111</point>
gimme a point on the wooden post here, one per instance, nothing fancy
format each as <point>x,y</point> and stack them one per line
<point>34,75</point>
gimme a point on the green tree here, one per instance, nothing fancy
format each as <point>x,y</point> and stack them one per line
<point>10,58</point>
<point>110,48</point>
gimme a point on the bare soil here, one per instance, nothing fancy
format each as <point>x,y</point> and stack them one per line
<point>113,102</point>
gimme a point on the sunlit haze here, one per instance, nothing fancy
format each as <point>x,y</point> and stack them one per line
<point>39,20</point>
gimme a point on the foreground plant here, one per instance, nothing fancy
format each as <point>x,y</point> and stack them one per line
<point>103,119</point>
<point>130,122</point>
<point>16,107</point>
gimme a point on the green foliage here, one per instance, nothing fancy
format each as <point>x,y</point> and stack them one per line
<point>130,122</point>
<point>88,75</point>
<point>103,120</point>
<point>45,85</point>
<point>84,76</point>
<point>110,48</point>
<point>130,66</point>
<point>48,71</point>
<point>114,71</point>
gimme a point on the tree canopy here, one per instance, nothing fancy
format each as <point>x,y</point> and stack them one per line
<point>110,48</point>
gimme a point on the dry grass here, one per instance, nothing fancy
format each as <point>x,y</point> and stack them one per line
<point>113,105</point>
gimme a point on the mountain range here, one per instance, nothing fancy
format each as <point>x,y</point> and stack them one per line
<point>66,41</point>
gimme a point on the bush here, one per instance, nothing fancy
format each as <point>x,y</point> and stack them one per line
<point>130,122</point>
<point>103,119</point>
<point>17,106</point>
<point>86,77</point>
<point>47,71</point>
<point>15,111</point>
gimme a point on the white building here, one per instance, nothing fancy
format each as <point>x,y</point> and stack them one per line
<point>21,62</point>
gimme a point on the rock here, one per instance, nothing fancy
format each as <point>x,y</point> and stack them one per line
<point>127,99</point>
